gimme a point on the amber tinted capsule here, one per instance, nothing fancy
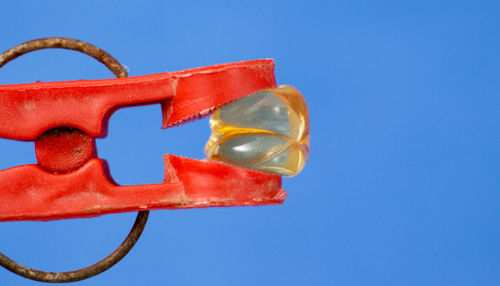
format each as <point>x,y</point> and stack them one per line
<point>266,131</point>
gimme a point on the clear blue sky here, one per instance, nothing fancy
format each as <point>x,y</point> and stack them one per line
<point>402,186</point>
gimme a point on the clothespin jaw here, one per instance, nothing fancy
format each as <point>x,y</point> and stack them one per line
<point>64,118</point>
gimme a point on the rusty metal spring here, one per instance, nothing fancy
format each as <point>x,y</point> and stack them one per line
<point>142,217</point>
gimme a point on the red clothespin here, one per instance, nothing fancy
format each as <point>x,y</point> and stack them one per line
<point>64,118</point>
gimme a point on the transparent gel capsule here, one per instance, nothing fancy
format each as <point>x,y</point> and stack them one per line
<point>266,131</point>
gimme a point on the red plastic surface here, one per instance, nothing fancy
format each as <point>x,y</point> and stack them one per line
<point>64,150</point>
<point>28,110</point>
<point>87,192</point>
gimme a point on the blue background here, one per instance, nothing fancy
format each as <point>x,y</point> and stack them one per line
<point>402,186</point>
